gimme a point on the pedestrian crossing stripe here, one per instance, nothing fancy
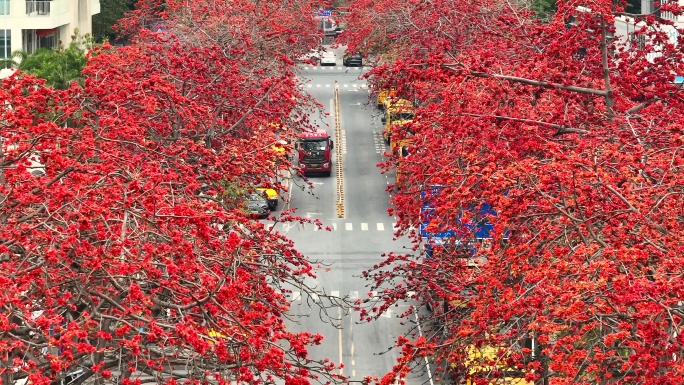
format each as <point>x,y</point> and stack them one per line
<point>350,295</point>
<point>324,68</point>
<point>354,85</point>
<point>348,226</point>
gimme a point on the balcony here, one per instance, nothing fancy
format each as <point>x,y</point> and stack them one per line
<point>38,8</point>
<point>44,14</point>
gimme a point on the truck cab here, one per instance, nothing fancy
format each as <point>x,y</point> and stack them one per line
<point>314,152</point>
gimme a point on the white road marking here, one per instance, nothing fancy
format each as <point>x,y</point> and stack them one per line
<point>339,336</point>
<point>427,363</point>
<point>364,227</point>
<point>348,226</point>
<point>381,226</point>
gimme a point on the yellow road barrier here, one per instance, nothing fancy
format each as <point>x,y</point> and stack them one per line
<point>338,155</point>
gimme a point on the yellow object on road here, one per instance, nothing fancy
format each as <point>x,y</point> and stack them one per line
<point>489,362</point>
<point>398,113</point>
<point>384,94</point>
<point>271,197</point>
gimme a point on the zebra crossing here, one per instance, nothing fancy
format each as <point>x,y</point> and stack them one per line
<point>346,226</point>
<point>336,68</point>
<point>379,142</point>
<point>343,300</point>
<point>296,296</point>
<point>357,86</point>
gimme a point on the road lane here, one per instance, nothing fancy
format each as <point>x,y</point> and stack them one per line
<point>355,243</point>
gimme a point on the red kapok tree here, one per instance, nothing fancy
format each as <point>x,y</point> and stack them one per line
<point>571,134</point>
<point>126,255</point>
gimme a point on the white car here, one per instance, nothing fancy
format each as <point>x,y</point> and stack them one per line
<point>313,56</point>
<point>328,59</point>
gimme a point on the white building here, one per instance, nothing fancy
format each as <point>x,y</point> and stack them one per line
<point>31,24</point>
<point>625,26</point>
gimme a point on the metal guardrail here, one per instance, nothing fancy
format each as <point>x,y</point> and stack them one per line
<point>338,154</point>
<point>38,7</point>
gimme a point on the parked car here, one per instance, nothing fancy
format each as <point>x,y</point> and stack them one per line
<point>257,205</point>
<point>328,59</point>
<point>353,60</point>
<point>312,56</point>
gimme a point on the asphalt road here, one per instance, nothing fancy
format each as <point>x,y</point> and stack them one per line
<point>355,242</point>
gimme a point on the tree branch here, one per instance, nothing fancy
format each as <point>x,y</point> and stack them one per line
<point>538,83</point>
<point>561,129</point>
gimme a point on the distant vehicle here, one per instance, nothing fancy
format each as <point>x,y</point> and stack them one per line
<point>328,59</point>
<point>257,205</point>
<point>327,25</point>
<point>353,60</point>
<point>312,56</point>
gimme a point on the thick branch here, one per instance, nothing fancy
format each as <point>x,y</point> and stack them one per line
<point>561,129</point>
<point>641,106</point>
<point>538,83</point>
<point>610,101</point>
<point>249,112</point>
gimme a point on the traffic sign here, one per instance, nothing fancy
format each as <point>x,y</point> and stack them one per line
<point>324,12</point>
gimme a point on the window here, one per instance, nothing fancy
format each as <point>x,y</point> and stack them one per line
<point>4,7</point>
<point>310,145</point>
<point>5,42</point>
<point>638,40</point>
<point>665,14</point>
<point>47,42</point>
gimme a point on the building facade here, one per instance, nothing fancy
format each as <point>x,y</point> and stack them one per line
<point>31,24</point>
<point>626,28</point>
